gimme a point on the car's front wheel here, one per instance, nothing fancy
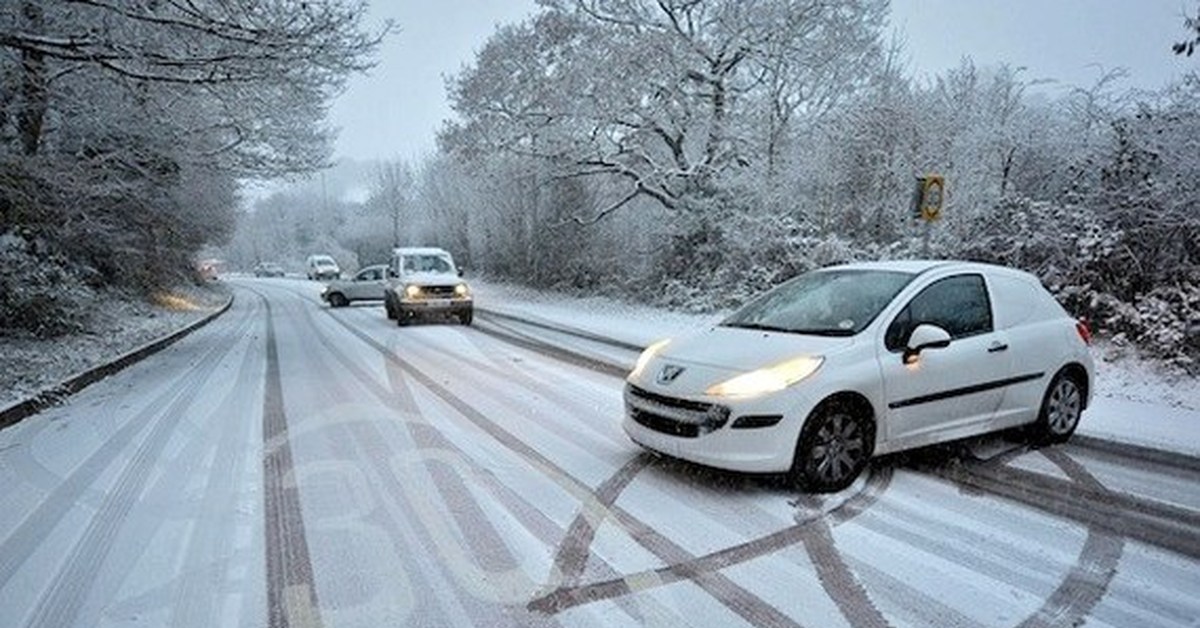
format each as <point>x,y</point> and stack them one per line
<point>466,317</point>
<point>338,299</point>
<point>833,449</point>
<point>1061,410</point>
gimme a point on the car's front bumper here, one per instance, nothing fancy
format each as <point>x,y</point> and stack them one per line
<point>750,435</point>
<point>455,305</point>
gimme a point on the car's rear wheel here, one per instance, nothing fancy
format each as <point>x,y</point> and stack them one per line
<point>1061,410</point>
<point>338,299</point>
<point>833,449</point>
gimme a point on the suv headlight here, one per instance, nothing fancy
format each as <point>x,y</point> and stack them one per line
<point>770,379</point>
<point>461,290</point>
<point>412,291</point>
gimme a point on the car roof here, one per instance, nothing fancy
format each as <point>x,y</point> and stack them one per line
<point>917,267</point>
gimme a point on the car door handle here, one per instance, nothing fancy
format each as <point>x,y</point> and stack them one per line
<point>997,348</point>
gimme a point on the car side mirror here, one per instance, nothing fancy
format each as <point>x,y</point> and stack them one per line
<point>924,337</point>
<point>460,272</point>
<point>391,273</point>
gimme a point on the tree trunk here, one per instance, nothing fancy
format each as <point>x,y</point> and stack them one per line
<point>32,113</point>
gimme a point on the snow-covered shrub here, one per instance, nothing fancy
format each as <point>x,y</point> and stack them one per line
<point>1164,323</point>
<point>39,291</point>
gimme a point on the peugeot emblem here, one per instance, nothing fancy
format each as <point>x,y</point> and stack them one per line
<point>669,373</point>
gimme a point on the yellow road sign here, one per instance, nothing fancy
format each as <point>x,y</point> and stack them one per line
<point>931,190</point>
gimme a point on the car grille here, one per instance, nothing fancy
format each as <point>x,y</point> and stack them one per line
<point>669,415</point>
<point>437,292</point>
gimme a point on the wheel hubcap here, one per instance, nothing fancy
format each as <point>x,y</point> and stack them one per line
<point>1066,404</point>
<point>839,448</point>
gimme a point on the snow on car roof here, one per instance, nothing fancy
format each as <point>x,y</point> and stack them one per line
<point>420,250</point>
<point>920,266</point>
<point>904,266</point>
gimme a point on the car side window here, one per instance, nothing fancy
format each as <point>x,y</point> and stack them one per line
<point>958,304</point>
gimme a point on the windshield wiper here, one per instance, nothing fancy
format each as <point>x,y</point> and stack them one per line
<point>814,331</point>
<point>757,326</point>
<point>822,332</point>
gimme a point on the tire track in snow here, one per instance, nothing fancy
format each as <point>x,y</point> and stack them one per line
<point>207,553</point>
<point>739,600</point>
<point>62,600</point>
<point>1088,581</point>
<point>487,548</point>
<point>1085,502</point>
<point>835,576</point>
<point>291,594</point>
<point>159,504</point>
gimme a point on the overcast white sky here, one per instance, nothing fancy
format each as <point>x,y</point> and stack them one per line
<point>397,109</point>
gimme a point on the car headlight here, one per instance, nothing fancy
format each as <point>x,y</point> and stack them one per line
<point>461,290</point>
<point>770,379</point>
<point>646,356</point>
<point>412,292</point>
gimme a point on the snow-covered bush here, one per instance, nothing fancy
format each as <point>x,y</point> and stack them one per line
<point>39,291</point>
<point>1164,323</point>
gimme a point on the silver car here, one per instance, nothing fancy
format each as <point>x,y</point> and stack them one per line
<point>369,284</point>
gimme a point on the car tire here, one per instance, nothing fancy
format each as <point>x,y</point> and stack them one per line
<point>338,299</point>
<point>1062,407</point>
<point>403,318</point>
<point>466,317</point>
<point>833,449</point>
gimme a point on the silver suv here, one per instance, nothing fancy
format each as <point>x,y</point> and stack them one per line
<point>423,282</point>
<point>367,285</point>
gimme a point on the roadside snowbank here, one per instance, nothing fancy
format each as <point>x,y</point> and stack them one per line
<point>116,325</point>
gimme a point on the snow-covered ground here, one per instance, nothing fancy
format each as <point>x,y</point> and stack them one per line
<point>117,326</point>
<point>1136,401</point>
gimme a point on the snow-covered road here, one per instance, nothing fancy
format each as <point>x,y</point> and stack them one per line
<point>293,465</point>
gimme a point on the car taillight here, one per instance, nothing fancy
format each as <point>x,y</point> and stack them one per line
<point>1085,333</point>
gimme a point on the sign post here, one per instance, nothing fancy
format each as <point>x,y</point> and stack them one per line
<point>927,203</point>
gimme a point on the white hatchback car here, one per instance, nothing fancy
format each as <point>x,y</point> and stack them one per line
<point>840,364</point>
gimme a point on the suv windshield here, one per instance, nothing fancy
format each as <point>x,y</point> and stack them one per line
<point>427,264</point>
<point>824,303</point>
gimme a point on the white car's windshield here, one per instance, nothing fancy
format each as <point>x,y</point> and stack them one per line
<point>427,264</point>
<point>827,303</point>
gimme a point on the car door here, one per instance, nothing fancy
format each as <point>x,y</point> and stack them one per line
<point>367,284</point>
<point>945,392</point>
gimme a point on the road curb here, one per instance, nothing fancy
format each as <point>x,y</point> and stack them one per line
<point>47,397</point>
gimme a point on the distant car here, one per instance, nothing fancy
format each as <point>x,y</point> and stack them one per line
<point>268,269</point>
<point>424,282</point>
<point>821,373</point>
<point>368,284</point>
<point>322,268</point>
<point>210,269</point>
